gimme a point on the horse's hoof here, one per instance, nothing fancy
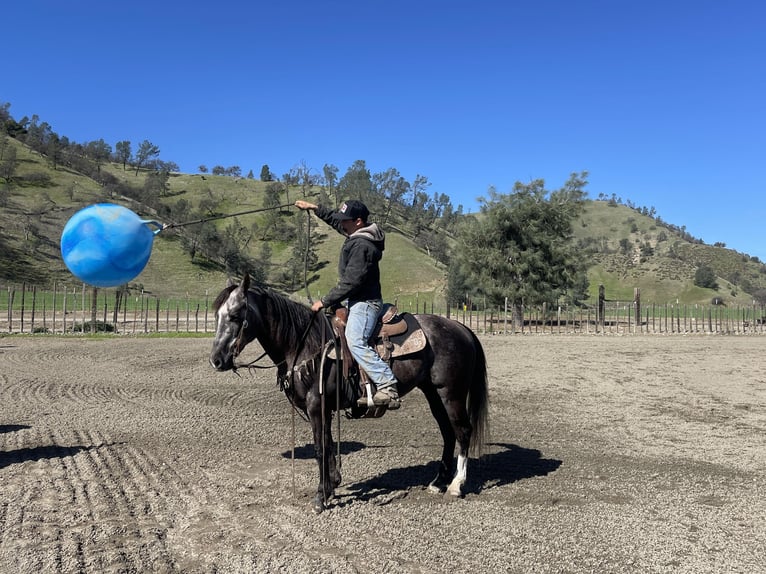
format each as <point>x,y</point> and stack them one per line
<point>318,505</point>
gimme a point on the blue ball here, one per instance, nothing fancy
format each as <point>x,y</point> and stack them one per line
<point>107,245</point>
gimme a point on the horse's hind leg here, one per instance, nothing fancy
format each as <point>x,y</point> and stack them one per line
<point>438,484</point>
<point>455,427</point>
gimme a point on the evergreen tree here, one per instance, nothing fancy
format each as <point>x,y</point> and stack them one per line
<point>520,247</point>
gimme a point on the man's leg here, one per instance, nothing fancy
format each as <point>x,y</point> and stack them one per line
<point>362,318</point>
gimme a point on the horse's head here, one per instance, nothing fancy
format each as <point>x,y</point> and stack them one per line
<point>231,334</point>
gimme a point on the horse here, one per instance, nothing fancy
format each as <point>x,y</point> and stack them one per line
<point>451,371</point>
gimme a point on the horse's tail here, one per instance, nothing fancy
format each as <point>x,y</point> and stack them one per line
<point>478,400</point>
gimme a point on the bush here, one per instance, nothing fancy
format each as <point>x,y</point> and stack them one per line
<point>101,327</point>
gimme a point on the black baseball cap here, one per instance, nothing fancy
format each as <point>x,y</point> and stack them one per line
<point>353,209</point>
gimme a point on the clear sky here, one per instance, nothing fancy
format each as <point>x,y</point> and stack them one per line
<point>661,101</point>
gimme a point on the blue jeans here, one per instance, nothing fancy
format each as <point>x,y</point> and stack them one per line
<point>362,317</point>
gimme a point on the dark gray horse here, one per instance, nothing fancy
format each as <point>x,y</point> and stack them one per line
<point>451,372</point>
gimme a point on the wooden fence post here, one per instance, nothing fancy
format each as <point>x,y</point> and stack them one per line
<point>23,297</point>
<point>93,312</point>
<point>600,320</point>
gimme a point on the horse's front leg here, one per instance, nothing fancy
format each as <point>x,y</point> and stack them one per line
<point>324,451</point>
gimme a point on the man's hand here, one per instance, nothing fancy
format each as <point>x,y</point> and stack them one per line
<point>317,304</point>
<point>300,204</point>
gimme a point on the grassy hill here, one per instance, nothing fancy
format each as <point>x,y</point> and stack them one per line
<point>627,248</point>
<point>37,206</point>
<point>635,250</point>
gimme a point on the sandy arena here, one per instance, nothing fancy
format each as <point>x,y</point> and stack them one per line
<point>608,454</point>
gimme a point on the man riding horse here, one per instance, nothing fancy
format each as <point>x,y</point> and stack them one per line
<point>359,282</point>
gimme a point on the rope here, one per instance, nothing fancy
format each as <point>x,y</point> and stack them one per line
<point>215,217</point>
<point>338,462</point>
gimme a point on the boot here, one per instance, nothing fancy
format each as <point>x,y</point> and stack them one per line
<point>388,396</point>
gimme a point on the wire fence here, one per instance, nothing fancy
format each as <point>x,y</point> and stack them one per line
<point>81,309</point>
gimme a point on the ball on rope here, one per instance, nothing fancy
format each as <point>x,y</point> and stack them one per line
<point>106,245</point>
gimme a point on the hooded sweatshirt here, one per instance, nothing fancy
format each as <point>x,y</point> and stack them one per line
<point>358,269</point>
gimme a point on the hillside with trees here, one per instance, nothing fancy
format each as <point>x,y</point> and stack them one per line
<point>531,245</point>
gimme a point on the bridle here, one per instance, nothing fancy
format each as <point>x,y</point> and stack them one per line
<point>239,344</point>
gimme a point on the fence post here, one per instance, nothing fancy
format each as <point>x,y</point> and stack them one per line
<point>34,306</point>
<point>206,308</point>
<point>600,320</point>
<point>93,312</point>
<point>11,297</point>
<point>66,296</point>
<point>23,298</point>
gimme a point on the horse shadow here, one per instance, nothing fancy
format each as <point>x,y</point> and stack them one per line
<point>13,428</point>
<point>7,458</point>
<point>306,452</point>
<point>21,455</point>
<point>511,463</point>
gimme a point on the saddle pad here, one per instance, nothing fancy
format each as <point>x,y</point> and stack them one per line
<point>411,341</point>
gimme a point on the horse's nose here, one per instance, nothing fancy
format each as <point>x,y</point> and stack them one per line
<point>217,363</point>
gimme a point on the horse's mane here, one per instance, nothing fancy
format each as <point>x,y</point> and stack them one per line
<point>290,319</point>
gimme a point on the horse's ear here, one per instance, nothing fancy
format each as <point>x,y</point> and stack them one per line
<point>229,282</point>
<point>245,285</point>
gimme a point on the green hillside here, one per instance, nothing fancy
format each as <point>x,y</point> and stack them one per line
<point>35,209</point>
<point>633,250</point>
<point>626,249</point>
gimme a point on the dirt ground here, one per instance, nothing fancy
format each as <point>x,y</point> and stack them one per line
<point>608,454</point>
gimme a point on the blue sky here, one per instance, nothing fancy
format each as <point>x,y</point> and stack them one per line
<point>662,102</point>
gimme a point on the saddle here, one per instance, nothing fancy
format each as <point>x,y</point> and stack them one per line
<point>395,335</point>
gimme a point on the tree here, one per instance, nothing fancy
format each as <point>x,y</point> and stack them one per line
<point>520,248</point>
<point>303,258</point>
<point>123,152</point>
<point>330,172</point>
<point>99,152</point>
<point>391,187</point>
<point>146,151</point>
<point>271,215</point>
<point>306,179</point>
<point>705,277</point>
<point>8,164</point>
<point>156,183</point>
<point>266,174</point>
<point>759,295</point>
<point>356,183</point>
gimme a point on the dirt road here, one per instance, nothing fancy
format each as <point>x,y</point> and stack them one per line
<point>608,454</point>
